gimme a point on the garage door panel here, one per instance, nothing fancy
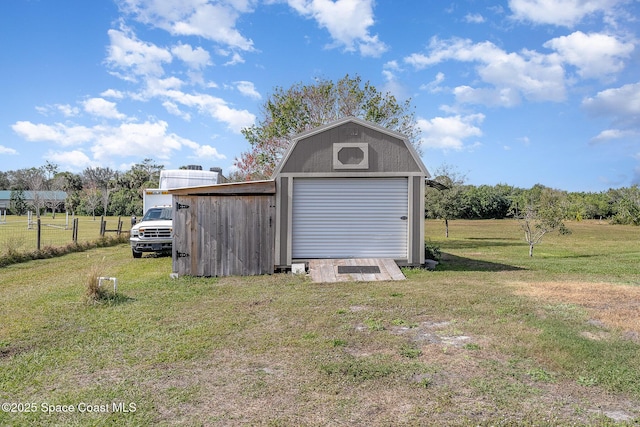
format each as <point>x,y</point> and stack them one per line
<point>350,218</point>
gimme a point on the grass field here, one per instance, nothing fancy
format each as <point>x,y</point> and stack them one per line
<point>492,337</point>
<point>18,236</point>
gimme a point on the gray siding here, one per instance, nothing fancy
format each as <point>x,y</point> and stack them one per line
<point>282,192</point>
<point>417,221</point>
<point>318,154</point>
<point>314,154</point>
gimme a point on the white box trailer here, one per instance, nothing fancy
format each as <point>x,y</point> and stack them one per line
<point>155,197</point>
<point>179,178</point>
<point>154,232</point>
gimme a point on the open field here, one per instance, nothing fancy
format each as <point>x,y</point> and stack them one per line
<point>492,337</point>
<point>17,235</point>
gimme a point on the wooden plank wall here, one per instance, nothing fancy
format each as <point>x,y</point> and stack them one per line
<point>224,235</point>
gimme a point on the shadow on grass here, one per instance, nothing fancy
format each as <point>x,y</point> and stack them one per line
<point>157,255</point>
<point>476,243</point>
<point>451,262</point>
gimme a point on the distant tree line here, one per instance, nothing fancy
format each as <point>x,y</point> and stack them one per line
<point>103,191</point>
<point>459,201</point>
<point>94,191</point>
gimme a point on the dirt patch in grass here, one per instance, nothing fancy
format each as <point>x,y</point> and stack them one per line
<point>614,306</point>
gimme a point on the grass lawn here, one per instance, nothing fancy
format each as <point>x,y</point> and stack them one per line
<point>492,337</point>
<point>16,234</point>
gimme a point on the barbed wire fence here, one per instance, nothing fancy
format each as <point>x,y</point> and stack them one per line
<point>27,233</point>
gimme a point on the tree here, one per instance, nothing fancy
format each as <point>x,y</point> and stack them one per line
<point>35,181</point>
<point>90,199</point>
<point>544,213</point>
<point>126,198</point>
<point>288,112</point>
<point>445,201</point>
<point>100,178</point>
<point>5,181</point>
<point>485,201</point>
<point>17,202</point>
<point>71,184</point>
<point>53,199</point>
<point>626,205</point>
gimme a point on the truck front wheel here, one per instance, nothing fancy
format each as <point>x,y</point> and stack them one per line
<point>136,254</point>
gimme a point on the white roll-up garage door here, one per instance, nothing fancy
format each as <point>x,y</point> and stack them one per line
<point>350,218</point>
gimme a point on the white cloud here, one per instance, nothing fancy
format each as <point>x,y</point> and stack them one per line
<point>449,133</point>
<point>202,18</point>
<point>248,89</point>
<point>107,143</point>
<point>58,133</point>
<point>389,70</point>
<point>235,119</point>
<point>622,102</point>
<point>64,109</point>
<point>134,139</point>
<point>611,134</point>
<point>529,74</point>
<point>434,85</point>
<point>236,58</point>
<point>134,57</point>
<point>392,65</point>
<point>67,110</point>
<point>112,93</point>
<point>474,18</point>
<point>212,106</point>
<point>347,21</point>
<point>159,87</point>
<point>197,58</point>
<point>595,55</point>
<point>208,152</point>
<point>74,160</point>
<point>493,97</point>
<point>102,108</point>
<point>7,150</point>
<point>559,12</point>
<point>622,105</point>
<point>172,108</point>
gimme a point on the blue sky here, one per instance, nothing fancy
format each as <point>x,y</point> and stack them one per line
<point>518,92</point>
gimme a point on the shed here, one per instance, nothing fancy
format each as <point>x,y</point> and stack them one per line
<point>224,229</point>
<point>350,189</point>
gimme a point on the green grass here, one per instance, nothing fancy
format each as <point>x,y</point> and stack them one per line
<point>457,346</point>
<point>18,240</point>
<point>16,235</point>
<point>594,251</point>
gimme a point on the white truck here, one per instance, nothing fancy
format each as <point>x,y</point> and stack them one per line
<point>154,232</point>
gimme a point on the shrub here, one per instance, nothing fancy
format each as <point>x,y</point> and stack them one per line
<point>13,256</point>
<point>432,251</point>
<point>96,294</point>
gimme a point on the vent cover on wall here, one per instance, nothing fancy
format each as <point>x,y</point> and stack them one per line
<point>351,155</point>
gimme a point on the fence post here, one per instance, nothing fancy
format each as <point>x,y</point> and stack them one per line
<point>74,233</point>
<point>103,226</point>
<point>38,234</point>
<point>119,225</point>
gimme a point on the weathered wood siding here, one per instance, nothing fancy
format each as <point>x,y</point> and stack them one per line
<point>223,235</point>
